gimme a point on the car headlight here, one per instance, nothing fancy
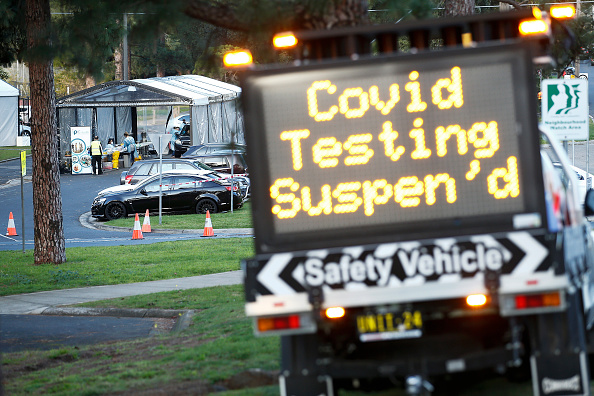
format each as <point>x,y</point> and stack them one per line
<point>100,200</point>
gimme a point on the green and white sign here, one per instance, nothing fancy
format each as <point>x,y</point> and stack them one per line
<point>565,108</point>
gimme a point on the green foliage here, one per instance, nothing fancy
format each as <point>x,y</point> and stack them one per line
<point>391,11</point>
<point>4,74</point>
<point>12,32</point>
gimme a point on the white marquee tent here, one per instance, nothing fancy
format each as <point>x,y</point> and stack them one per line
<point>145,106</point>
<point>9,114</point>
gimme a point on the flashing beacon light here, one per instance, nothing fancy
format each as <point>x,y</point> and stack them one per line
<point>284,40</point>
<point>562,11</point>
<point>476,300</point>
<point>335,312</point>
<point>241,58</point>
<point>533,26</point>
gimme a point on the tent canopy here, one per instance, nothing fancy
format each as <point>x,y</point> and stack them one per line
<point>9,114</point>
<point>112,108</point>
<point>157,91</point>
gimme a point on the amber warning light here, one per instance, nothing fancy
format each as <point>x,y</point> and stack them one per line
<point>476,300</point>
<point>533,26</point>
<point>563,11</point>
<point>238,58</point>
<point>284,40</point>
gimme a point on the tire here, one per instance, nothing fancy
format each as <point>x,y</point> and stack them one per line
<point>115,210</point>
<point>206,204</point>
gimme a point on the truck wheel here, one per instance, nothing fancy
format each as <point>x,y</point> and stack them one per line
<point>115,210</point>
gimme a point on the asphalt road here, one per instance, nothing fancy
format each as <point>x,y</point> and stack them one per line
<point>78,192</point>
<point>27,332</point>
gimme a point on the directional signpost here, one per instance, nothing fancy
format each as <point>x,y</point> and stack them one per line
<point>160,140</point>
<point>23,173</point>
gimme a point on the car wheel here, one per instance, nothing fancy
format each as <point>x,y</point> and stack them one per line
<point>206,204</point>
<point>115,210</point>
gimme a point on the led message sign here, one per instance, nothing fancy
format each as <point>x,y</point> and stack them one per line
<point>403,145</point>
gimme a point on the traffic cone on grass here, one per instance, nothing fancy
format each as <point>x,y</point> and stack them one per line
<point>208,231</point>
<point>137,233</point>
<point>146,225</point>
<point>11,230</point>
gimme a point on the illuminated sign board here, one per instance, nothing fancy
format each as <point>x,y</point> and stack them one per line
<point>411,146</point>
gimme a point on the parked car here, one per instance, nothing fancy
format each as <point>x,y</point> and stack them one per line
<point>178,121</point>
<point>179,192</point>
<point>24,130</point>
<point>182,144</point>
<point>210,148</point>
<point>221,161</point>
<point>581,180</point>
<point>140,170</point>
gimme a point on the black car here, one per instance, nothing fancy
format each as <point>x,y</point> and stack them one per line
<point>140,170</point>
<point>180,192</point>
<point>210,148</point>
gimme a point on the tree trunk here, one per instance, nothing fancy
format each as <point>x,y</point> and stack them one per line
<point>118,60</point>
<point>90,81</point>
<point>459,7</point>
<point>335,13</point>
<point>47,198</point>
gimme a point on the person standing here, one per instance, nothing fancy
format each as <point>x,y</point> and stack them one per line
<point>174,137</point>
<point>96,154</point>
<point>130,146</point>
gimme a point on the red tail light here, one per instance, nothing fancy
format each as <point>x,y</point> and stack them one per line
<point>538,300</point>
<point>235,188</point>
<point>279,323</point>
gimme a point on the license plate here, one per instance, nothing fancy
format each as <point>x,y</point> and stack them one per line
<point>389,326</point>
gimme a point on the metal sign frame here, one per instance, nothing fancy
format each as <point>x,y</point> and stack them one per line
<point>532,215</point>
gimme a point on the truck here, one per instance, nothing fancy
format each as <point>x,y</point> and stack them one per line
<point>412,220</point>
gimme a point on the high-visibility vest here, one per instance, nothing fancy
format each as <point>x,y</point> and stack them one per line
<point>96,148</point>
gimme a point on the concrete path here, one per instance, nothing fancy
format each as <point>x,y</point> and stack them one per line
<point>51,301</point>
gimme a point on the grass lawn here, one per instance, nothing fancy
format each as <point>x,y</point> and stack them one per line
<point>217,352</point>
<point>94,266</point>
<point>240,218</point>
<point>10,152</point>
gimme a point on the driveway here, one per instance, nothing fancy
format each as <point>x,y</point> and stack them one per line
<point>78,192</point>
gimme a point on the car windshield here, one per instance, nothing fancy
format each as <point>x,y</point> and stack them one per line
<point>203,165</point>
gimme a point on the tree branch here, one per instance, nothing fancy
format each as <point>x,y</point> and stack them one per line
<point>222,15</point>
<point>512,3</point>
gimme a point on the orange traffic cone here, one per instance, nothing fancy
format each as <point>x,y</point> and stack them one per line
<point>11,230</point>
<point>137,233</point>
<point>146,225</point>
<point>208,231</point>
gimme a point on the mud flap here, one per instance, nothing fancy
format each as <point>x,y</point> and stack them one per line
<point>298,370</point>
<point>306,386</point>
<point>560,375</point>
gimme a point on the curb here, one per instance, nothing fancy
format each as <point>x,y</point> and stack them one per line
<point>183,317</point>
<point>115,312</point>
<point>183,322</point>
<point>87,220</point>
